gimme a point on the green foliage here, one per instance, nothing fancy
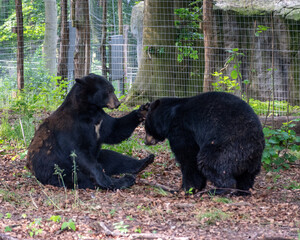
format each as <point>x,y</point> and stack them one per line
<point>210,217</point>
<point>280,107</point>
<point>60,173</point>
<point>188,31</point>
<point>121,227</point>
<point>260,29</point>
<point>230,84</point>
<point>280,144</point>
<point>293,185</point>
<point>55,218</point>
<point>33,22</point>
<point>70,225</point>
<point>33,227</point>
<point>222,200</point>
<point>7,229</point>
<point>19,124</point>
<point>190,191</point>
<point>73,155</point>
<point>146,174</point>
<point>225,84</point>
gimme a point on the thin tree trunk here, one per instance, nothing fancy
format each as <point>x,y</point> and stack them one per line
<point>20,49</point>
<point>82,45</point>
<point>208,44</point>
<point>62,69</point>
<point>103,38</point>
<point>50,40</point>
<point>120,12</point>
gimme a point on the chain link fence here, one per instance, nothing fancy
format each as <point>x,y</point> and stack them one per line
<point>167,48</point>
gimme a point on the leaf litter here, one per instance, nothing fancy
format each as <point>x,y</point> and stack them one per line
<point>154,208</point>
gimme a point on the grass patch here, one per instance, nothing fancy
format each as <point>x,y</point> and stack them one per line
<point>212,216</point>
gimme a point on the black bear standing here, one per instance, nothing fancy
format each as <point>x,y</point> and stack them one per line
<point>80,126</point>
<point>215,136</point>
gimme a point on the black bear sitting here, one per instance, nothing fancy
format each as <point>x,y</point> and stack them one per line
<point>215,136</point>
<point>80,126</point>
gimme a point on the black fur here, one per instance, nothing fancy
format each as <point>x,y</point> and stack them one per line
<point>215,136</point>
<point>81,126</point>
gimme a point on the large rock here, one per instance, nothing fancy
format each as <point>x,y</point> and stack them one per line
<point>289,9</point>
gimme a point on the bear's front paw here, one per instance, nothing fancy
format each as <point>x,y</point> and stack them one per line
<point>143,110</point>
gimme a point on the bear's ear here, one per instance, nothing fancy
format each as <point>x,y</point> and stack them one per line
<point>81,81</point>
<point>154,104</point>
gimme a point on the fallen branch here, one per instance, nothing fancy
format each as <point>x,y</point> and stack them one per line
<point>163,187</point>
<point>6,237</point>
<point>108,232</point>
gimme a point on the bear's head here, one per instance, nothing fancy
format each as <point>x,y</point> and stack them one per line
<point>154,125</point>
<point>96,90</point>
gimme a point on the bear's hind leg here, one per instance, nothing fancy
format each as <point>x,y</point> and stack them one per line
<point>115,163</point>
<point>192,178</point>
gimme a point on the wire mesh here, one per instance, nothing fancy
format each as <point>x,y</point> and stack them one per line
<point>167,48</point>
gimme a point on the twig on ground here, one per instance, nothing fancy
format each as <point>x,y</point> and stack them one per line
<point>163,187</point>
<point>54,204</point>
<point>33,202</point>
<point>138,235</point>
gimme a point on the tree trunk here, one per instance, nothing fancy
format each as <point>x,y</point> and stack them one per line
<point>20,49</point>
<point>103,39</point>
<point>120,12</point>
<point>208,44</point>
<point>50,40</point>
<point>159,73</point>
<point>82,53</point>
<point>62,69</point>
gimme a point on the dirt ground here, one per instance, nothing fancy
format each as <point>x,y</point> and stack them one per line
<point>145,211</point>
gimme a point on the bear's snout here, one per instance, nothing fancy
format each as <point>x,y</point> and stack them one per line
<point>149,140</point>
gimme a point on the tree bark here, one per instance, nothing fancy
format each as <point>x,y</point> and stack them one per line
<point>50,40</point>
<point>82,53</point>
<point>120,12</point>
<point>62,69</point>
<point>159,74</point>
<point>208,44</point>
<point>20,49</point>
<point>103,39</point>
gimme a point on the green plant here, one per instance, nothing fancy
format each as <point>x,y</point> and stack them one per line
<point>7,229</point>
<point>121,227</point>
<point>211,216</point>
<point>74,169</point>
<point>130,218</point>
<point>55,218</point>
<point>70,225</point>
<point>280,107</point>
<point>189,32</point>
<point>59,172</point>
<point>8,215</point>
<point>112,212</point>
<point>260,29</point>
<point>280,144</point>
<point>293,185</point>
<point>190,191</point>
<point>34,228</point>
<point>230,84</point>
<point>222,200</point>
<point>160,191</point>
<point>138,230</point>
<point>146,174</point>
<point>224,83</point>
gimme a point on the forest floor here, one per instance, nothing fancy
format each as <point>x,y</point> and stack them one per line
<point>145,211</point>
